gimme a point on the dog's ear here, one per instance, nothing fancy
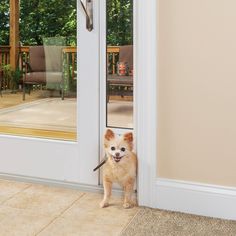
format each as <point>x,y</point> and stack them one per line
<point>128,137</point>
<point>109,134</point>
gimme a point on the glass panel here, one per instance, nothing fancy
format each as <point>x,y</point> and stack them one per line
<point>120,63</point>
<point>38,97</point>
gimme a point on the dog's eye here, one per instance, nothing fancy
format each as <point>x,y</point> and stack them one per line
<point>122,149</point>
<point>113,148</point>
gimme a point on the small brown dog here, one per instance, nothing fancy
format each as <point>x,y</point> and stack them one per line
<point>120,167</point>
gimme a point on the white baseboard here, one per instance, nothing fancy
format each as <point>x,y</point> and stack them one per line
<point>195,198</point>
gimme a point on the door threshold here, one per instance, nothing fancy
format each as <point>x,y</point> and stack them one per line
<point>58,183</point>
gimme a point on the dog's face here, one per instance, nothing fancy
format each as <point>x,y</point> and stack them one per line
<point>118,147</point>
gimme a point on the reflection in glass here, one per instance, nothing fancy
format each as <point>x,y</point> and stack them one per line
<point>120,63</point>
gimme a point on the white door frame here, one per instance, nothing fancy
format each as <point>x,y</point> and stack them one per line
<point>145,59</point>
<point>88,90</point>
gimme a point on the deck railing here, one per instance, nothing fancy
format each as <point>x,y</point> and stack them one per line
<point>112,58</point>
<point>69,55</point>
<point>4,54</point>
<point>4,60</point>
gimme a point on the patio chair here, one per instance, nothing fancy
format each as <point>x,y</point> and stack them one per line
<point>44,68</point>
<point>126,55</point>
<point>122,85</point>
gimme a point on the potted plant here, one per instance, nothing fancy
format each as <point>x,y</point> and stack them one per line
<point>11,77</point>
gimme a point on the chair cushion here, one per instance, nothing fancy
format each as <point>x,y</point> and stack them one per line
<point>45,58</point>
<point>37,58</point>
<point>126,55</point>
<point>43,77</point>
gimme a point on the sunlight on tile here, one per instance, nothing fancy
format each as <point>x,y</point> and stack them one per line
<point>33,209</point>
<point>85,217</point>
<point>18,222</point>
<point>44,200</point>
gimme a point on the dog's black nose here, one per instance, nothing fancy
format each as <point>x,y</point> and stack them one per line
<point>117,154</point>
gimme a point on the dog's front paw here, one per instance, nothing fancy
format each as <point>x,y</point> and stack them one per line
<point>127,205</point>
<point>104,204</point>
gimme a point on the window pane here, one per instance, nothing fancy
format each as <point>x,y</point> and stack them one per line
<point>120,63</point>
<point>38,97</point>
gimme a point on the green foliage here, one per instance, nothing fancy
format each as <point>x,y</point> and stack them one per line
<point>11,76</point>
<point>41,19</point>
<point>119,22</point>
<point>6,69</point>
<point>4,22</point>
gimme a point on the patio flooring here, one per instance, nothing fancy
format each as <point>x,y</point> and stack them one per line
<point>120,114</point>
<point>12,99</point>
<point>31,209</point>
<point>43,116</point>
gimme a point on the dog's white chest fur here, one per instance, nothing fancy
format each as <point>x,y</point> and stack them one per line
<point>119,172</point>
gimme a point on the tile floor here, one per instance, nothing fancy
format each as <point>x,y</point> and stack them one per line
<point>31,209</point>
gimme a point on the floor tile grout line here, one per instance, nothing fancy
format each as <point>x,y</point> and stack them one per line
<point>58,216</point>
<point>14,195</point>
<point>127,225</point>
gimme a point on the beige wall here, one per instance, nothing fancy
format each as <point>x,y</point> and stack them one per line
<point>197,91</point>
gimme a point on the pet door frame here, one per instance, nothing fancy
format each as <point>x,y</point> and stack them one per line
<point>145,40</point>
